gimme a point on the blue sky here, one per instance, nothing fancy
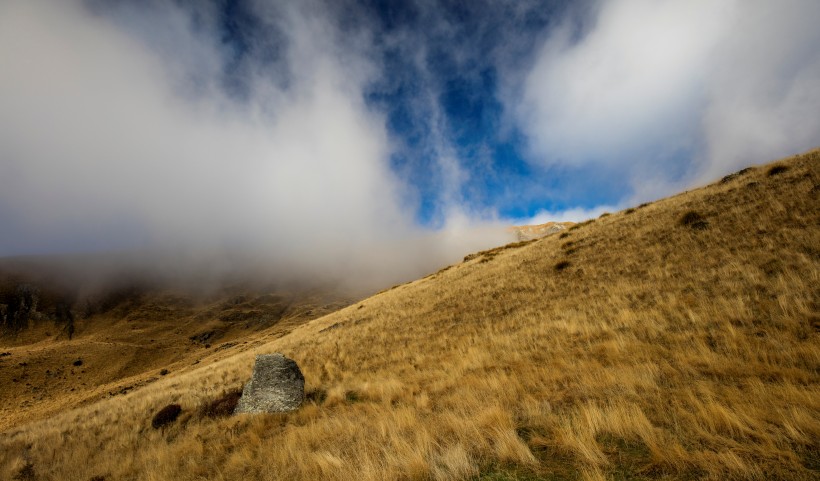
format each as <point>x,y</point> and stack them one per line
<point>130,124</point>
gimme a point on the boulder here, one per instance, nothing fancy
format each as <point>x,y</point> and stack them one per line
<point>276,385</point>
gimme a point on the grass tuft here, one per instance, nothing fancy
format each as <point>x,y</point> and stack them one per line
<point>693,220</point>
<point>562,265</point>
<point>221,407</point>
<point>26,473</point>
<point>776,169</point>
<point>316,396</point>
<point>166,416</point>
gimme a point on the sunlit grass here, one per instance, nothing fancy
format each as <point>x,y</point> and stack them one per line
<point>657,350</point>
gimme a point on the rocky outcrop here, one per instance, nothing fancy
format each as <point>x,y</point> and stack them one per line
<point>530,232</point>
<point>276,385</point>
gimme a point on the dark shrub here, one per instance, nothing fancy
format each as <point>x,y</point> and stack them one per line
<point>814,322</point>
<point>776,169</point>
<point>693,220</point>
<point>735,175</point>
<point>629,211</point>
<point>166,416</point>
<point>26,473</point>
<point>605,214</point>
<point>563,235</point>
<point>164,372</point>
<point>561,266</point>
<point>78,363</point>
<point>223,406</point>
<point>316,396</point>
<point>645,204</point>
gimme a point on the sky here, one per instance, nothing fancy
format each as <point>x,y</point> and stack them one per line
<point>380,138</point>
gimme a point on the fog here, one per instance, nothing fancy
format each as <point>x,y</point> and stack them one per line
<point>138,127</point>
<point>116,133</point>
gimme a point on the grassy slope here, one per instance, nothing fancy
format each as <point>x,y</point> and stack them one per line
<point>130,345</point>
<point>634,347</point>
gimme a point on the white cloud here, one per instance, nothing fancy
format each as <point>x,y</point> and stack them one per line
<point>104,133</point>
<point>764,90</point>
<point>726,83</point>
<point>575,214</point>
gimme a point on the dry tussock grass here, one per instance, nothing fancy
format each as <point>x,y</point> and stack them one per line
<point>658,351</point>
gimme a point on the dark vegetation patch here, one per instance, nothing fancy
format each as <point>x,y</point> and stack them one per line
<point>316,395</point>
<point>166,416</point>
<point>569,247</point>
<point>645,204</point>
<point>78,363</point>
<point>629,211</point>
<point>26,473</point>
<point>810,458</point>
<point>735,175</point>
<point>206,336</point>
<point>814,322</point>
<point>563,235</point>
<point>776,169</point>
<point>562,265</point>
<point>605,214</point>
<point>693,220</point>
<point>221,407</point>
<point>631,459</point>
<point>353,396</point>
<point>164,372</point>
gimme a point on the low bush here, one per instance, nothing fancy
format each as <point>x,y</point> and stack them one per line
<point>562,265</point>
<point>221,407</point>
<point>166,416</point>
<point>776,169</point>
<point>316,396</point>
<point>693,220</point>
<point>26,473</point>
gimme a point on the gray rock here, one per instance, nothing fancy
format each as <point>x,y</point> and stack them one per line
<point>277,385</point>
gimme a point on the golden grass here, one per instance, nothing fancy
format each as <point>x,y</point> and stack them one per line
<point>658,351</point>
<point>130,346</point>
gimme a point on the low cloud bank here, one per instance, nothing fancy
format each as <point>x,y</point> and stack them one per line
<point>119,129</point>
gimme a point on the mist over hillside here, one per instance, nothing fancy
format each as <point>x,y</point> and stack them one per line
<point>678,339</point>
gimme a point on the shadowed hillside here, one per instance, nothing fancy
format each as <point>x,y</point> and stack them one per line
<point>60,349</point>
<point>675,340</point>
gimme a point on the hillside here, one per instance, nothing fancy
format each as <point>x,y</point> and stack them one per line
<point>674,340</point>
<point>60,350</point>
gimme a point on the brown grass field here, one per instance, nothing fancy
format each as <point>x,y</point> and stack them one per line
<point>676,340</point>
<point>147,333</point>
